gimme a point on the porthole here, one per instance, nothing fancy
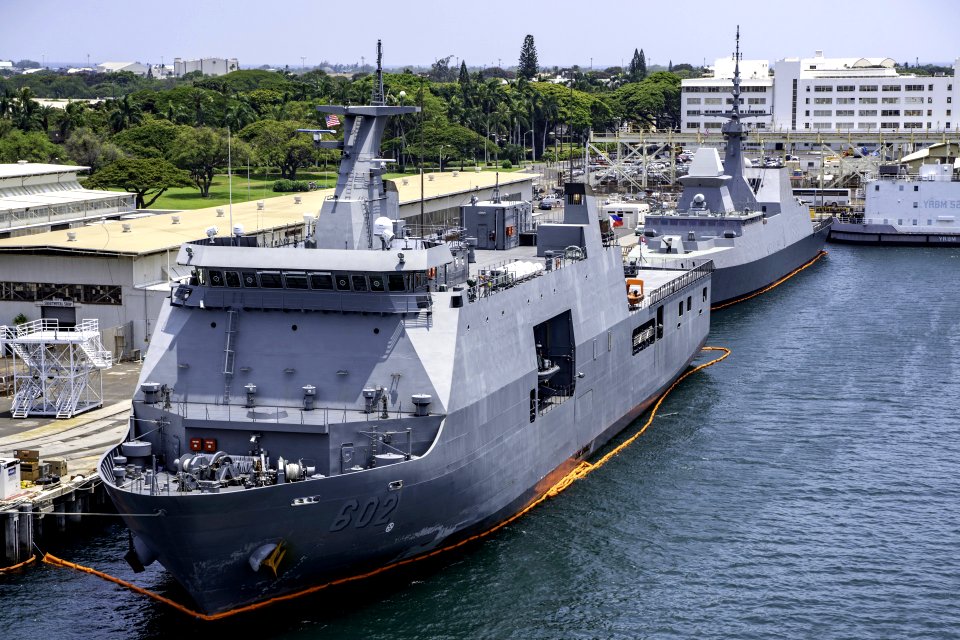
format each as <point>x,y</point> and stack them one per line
<point>293,327</point>
<point>213,325</point>
<point>376,330</point>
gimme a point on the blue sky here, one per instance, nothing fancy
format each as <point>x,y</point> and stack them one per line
<point>482,32</point>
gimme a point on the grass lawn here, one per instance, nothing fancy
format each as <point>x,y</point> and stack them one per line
<point>259,186</point>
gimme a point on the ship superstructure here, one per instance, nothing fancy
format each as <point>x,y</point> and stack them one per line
<point>919,210</point>
<point>743,219</point>
<point>310,412</point>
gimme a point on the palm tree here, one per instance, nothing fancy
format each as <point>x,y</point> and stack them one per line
<point>72,118</point>
<point>24,109</point>
<point>123,114</point>
<point>238,115</point>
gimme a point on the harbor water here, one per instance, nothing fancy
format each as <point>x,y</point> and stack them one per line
<point>805,487</point>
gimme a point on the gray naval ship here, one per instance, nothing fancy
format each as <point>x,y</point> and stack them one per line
<point>317,411</point>
<point>745,220</point>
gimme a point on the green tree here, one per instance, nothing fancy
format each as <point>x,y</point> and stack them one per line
<point>124,113</point>
<point>86,148</point>
<point>200,152</point>
<point>528,65</point>
<point>633,74</point>
<point>146,178</point>
<point>277,143</point>
<point>152,139</point>
<point>32,146</point>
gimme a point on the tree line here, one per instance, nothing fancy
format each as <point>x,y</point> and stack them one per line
<point>175,130</point>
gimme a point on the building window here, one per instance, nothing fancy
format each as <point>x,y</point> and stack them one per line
<point>821,88</point>
<point>866,113</point>
<point>891,87</point>
<point>913,100</point>
<point>891,101</point>
<point>821,113</point>
<point>712,101</point>
<point>712,125</point>
<point>844,112</point>
<point>693,100</point>
<point>846,100</point>
<point>913,125</point>
<point>887,113</point>
<point>913,87</point>
<point>693,125</point>
<point>889,125</point>
<point>845,87</point>
<point>913,112</point>
<point>693,112</point>
<point>844,125</point>
<point>823,100</point>
<point>868,101</point>
<point>868,87</point>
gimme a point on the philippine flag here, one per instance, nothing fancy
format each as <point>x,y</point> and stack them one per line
<point>617,220</point>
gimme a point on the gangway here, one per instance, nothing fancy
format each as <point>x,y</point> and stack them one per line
<point>63,365</point>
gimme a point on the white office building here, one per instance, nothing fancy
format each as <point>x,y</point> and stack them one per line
<point>818,93</point>
<point>206,66</point>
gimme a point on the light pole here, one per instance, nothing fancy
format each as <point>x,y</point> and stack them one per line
<point>441,157</point>
<point>533,151</point>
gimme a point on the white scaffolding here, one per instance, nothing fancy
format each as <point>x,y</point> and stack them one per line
<point>62,368</point>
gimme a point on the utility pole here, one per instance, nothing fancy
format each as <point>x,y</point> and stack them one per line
<point>303,62</point>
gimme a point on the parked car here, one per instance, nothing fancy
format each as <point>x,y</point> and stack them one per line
<point>550,202</point>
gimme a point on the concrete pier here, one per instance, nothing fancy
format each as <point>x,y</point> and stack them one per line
<point>55,510</point>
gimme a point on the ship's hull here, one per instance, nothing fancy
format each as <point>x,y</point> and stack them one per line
<point>740,280</point>
<point>877,234</point>
<point>205,543</point>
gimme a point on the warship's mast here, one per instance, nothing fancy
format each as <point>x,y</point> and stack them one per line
<point>733,129</point>
<point>346,219</point>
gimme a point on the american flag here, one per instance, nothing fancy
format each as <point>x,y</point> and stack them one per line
<point>333,120</point>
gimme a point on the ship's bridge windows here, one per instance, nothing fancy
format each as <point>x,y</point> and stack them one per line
<point>270,280</point>
<point>343,282</point>
<point>377,283</point>
<point>216,278</point>
<point>295,280</point>
<point>359,282</point>
<point>395,282</point>
<point>249,279</point>
<point>322,281</point>
<point>232,278</point>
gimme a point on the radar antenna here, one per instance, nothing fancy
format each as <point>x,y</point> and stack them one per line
<point>736,79</point>
<point>377,98</point>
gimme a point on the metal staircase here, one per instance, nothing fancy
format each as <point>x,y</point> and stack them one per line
<point>229,351</point>
<point>62,368</point>
<point>24,399</point>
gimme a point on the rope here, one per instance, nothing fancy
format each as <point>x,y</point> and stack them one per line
<point>19,565</point>
<point>581,471</point>
<point>768,287</point>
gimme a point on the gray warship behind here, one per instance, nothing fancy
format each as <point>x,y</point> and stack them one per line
<point>312,412</point>
<point>745,220</point>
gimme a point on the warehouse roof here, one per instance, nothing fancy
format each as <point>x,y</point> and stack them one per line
<point>159,233</point>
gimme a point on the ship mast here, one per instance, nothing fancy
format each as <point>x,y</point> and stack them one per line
<point>733,129</point>
<point>377,99</point>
